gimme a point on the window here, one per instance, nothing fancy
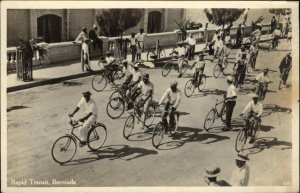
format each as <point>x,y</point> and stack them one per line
<point>154,22</point>
<point>49,27</point>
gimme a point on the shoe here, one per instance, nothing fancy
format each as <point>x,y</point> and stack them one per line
<point>82,143</point>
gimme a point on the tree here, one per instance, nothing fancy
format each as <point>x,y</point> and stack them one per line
<point>220,17</point>
<point>113,22</point>
<point>182,24</point>
<point>280,12</point>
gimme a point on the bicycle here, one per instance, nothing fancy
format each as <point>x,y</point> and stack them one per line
<point>214,114</point>
<point>251,62</point>
<point>247,131</point>
<point>271,47</point>
<point>117,101</point>
<point>65,147</point>
<point>162,128</point>
<point>237,73</point>
<point>172,63</point>
<point>113,75</point>
<point>260,90</point>
<point>283,77</point>
<point>136,114</point>
<point>191,85</point>
<point>156,53</point>
<point>219,67</point>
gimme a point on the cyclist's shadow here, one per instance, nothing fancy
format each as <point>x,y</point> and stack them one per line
<point>112,152</point>
<point>206,92</point>
<point>272,108</point>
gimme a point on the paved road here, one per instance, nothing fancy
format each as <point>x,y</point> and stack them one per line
<point>38,116</point>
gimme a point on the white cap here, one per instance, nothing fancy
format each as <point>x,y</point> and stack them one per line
<point>229,78</point>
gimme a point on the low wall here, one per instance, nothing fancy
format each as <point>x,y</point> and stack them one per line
<point>66,51</point>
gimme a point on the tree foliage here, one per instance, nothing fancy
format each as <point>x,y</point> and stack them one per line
<point>113,22</point>
<point>280,12</point>
<point>220,17</point>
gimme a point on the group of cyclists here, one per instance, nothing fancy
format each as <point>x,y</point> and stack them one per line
<point>138,84</point>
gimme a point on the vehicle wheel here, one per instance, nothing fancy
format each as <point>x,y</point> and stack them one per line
<point>173,129</point>
<point>158,134</point>
<point>240,140</point>
<point>217,71</point>
<point>166,69</point>
<point>64,149</point>
<point>115,94</point>
<point>150,115</point>
<point>118,78</point>
<point>151,56</point>
<point>184,66</point>
<point>96,136</point>
<point>223,115</point>
<point>162,54</point>
<point>202,82</point>
<point>128,126</point>
<point>115,107</point>
<point>189,88</point>
<point>209,119</point>
<point>99,82</point>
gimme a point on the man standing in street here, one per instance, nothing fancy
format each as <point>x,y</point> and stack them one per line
<point>239,35</point>
<point>140,43</point>
<point>273,24</point>
<point>230,102</point>
<point>285,67</point>
<point>96,42</point>
<point>132,40</point>
<point>191,46</point>
<point>83,39</point>
<point>240,176</point>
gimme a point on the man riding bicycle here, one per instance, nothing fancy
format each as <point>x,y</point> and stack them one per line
<point>173,97</point>
<point>276,35</point>
<point>285,67</point>
<point>108,63</point>
<point>253,109</point>
<point>146,89</point>
<point>200,66</point>
<point>90,117</point>
<point>224,54</point>
<point>253,52</point>
<point>127,72</point>
<point>180,52</point>
<point>218,46</point>
<point>241,69</point>
<point>263,81</point>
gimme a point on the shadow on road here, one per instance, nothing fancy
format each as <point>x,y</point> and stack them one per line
<point>266,143</point>
<point>273,108</point>
<point>123,152</point>
<point>209,92</point>
<point>266,128</point>
<point>17,107</point>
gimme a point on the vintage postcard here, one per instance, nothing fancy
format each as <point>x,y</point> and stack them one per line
<point>149,96</point>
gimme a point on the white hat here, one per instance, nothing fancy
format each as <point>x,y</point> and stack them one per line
<point>212,171</point>
<point>174,83</point>
<point>94,26</point>
<point>229,78</point>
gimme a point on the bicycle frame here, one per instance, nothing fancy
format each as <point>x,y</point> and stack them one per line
<point>222,109</point>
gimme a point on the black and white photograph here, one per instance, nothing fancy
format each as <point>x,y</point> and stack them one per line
<point>149,96</point>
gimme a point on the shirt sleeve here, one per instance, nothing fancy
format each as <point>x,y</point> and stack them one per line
<point>260,109</point>
<point>163,97</point>
<point>79,105</point>
<point>233,91</point>
<point>78,37</point>
<point>178,99</point>
<point>92,108</point>
<point>247,108</point>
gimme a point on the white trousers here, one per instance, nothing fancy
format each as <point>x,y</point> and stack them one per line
<point>86,127</point>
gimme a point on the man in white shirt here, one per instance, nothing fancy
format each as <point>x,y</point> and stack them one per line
<point>276,35</point>
<point>133,41</point>
<point>90,117</point>
<point>253,52</point>
<point>84,40</point>
<point>240,176</point>
<point>191,46</point>
<point>180,51</point>
<point>227,39</point>
<point>173,97</point>
<point>136,78</point>
<point>253,109</point>
<point>257,34</point>
<point>230,102</point>
<point>263,81</point>
<point>218,46</point>
<point>241,57</point>
<point>147,90</point>
<point>140,43</point>
<point>200,66</point>
<point>127,72</point>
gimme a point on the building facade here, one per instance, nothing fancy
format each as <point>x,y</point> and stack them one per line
<point>59,25</point>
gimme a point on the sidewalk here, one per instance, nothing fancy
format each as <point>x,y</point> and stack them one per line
<point>66,71</point>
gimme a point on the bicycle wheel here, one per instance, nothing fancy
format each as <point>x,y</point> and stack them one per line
<point>150,115</point>
<point>118,77</point>
<point>217,71</point>
<point>189,88</point>
<point>202,82</point>
<point>223,115</point>
<point>115,107</point>
<point>173,129</point>
<point>99,82</point>
<point>96,136</point>
<point>240,140</point>
<point>167,69</point>
<point>115,94</point>
<point>128,126</point>
<point>256,131</point>
<point>184,66</point>
<point>151,56</point>
<point>162,54</point>
<point>63,149</point>
<point>209,119</point>
<point>158,134</point>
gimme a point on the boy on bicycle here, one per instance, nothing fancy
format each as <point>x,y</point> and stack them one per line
<point>253,109</point>
<point>285,67</point>
<point>263,81</point>
<point>225,54</point>
<point>90,117</point>
<point>173,97</point>
<point>108,63</point>
<point>241,69</point>
<point>136,78</point>
<point>253,52</point>
<point>200,65</point>
<point>180,52</point>
<point>276,35</point>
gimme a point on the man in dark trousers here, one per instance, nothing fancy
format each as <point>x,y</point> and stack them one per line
<point>239,35</point>
<point>230,102</point>
<point>273,24</point>
<point>96,42</point>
